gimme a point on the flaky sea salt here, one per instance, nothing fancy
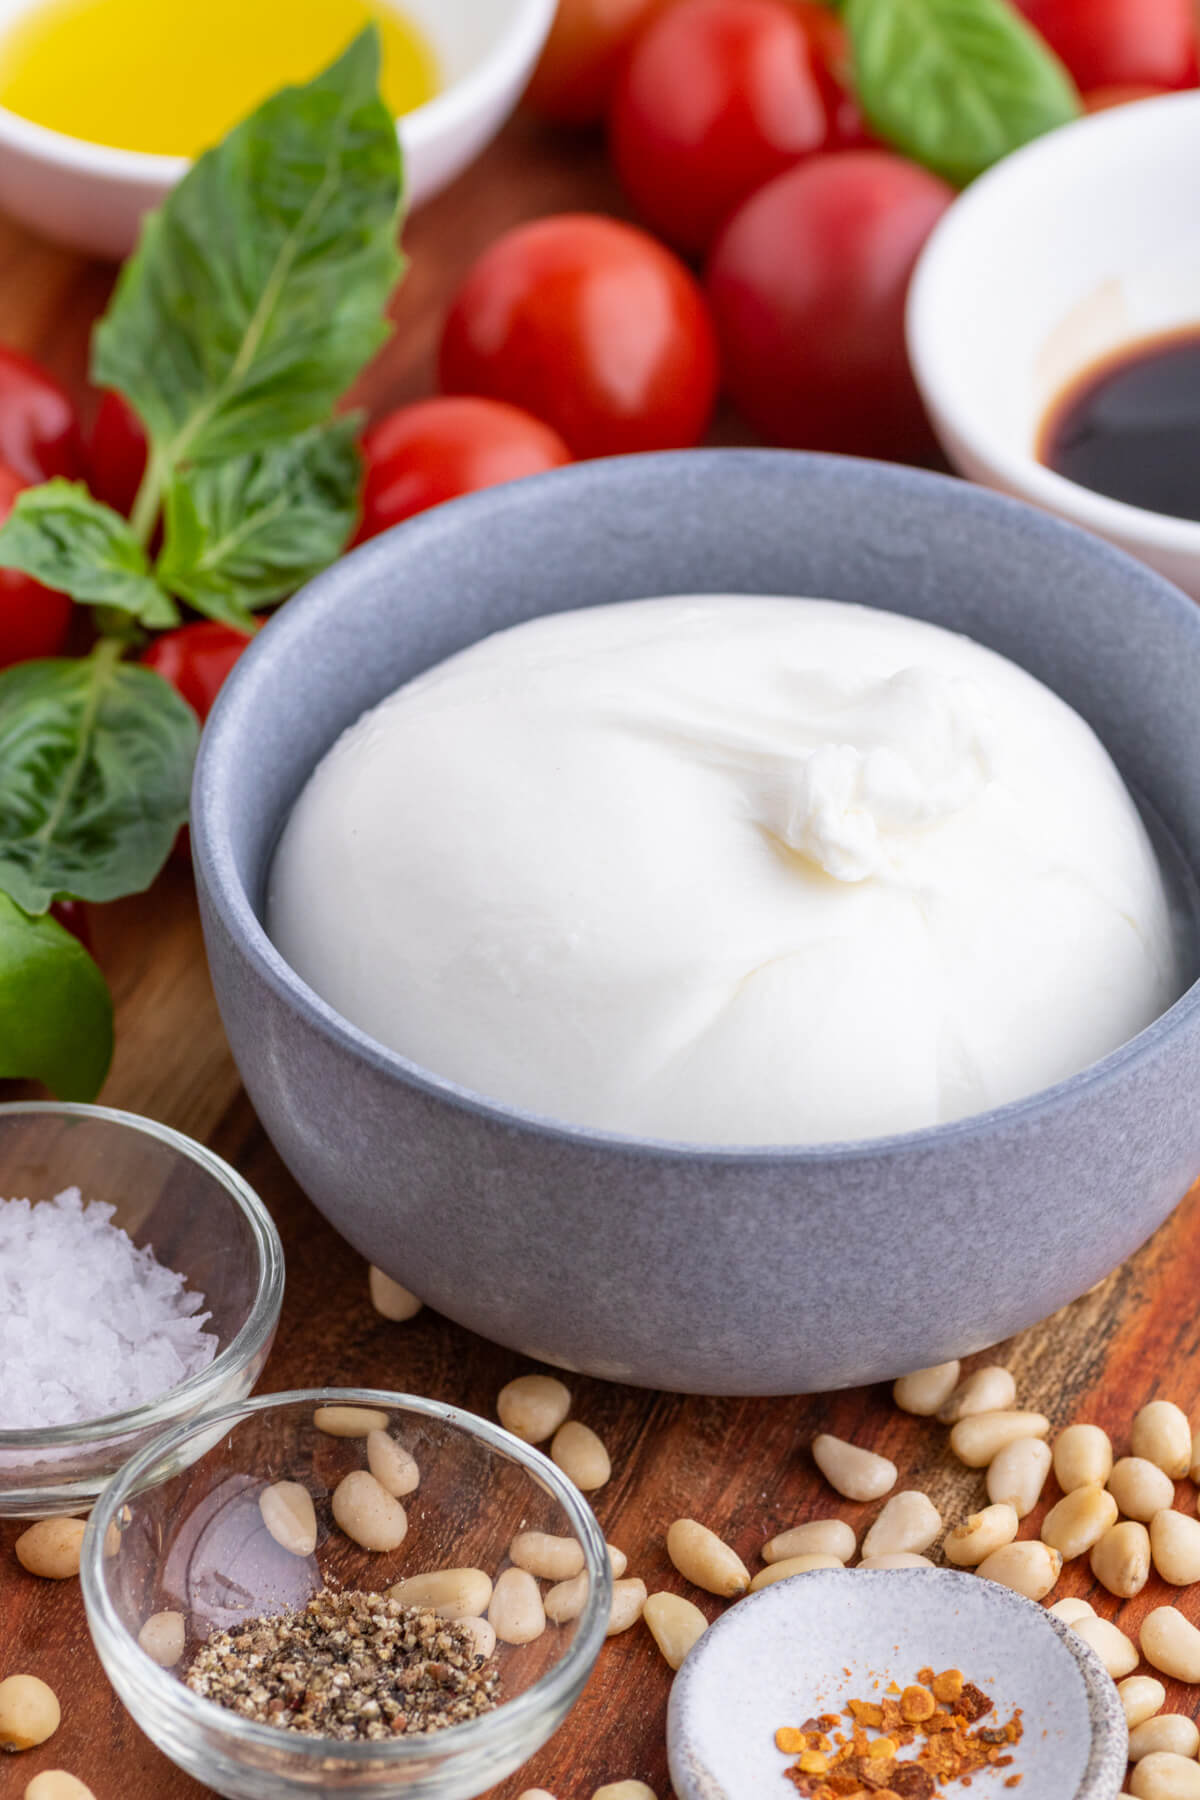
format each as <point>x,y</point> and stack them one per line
<point>89,1324</point>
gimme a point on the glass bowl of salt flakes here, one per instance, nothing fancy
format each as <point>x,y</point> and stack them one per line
<point>346,1591</point>
<point>140,1284</point>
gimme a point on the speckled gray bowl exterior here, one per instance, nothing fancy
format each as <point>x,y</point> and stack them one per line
<point>755,1271</point>
<point>808,1644</point>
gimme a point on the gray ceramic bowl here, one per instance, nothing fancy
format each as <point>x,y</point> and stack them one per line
<point>706,1270</point>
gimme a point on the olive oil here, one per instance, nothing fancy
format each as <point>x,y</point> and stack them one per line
<point>171,76</point>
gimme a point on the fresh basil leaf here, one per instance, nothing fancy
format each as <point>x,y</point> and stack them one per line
<point>244,533</point>
<point>955,84</point>
<point>95,762</point>
<point>56,1019</point>
<point>63,538</point>
<point>257,290</point>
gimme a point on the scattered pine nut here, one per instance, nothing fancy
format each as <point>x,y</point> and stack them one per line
<point>289,1515</point>
<point>515,1610</point>
<point>1117,1652</point>
<point>1171,1643</point>
<point>535,1794</point>
<point>349,1421</point>
<point>51,1548</point>
<point>29,1712</point>
<point>793,1565</point>
<point>56,1784</point>
<point>980,1533</point>
<point>389,1299</point>
<point>675,1625</point>
<point>533,1406</point>
<point>1141,1697</point>
<point>566,1599</point>
<point>392,1465</point>
<point>628,1600</point>
<point>925,1390</point>
<point>896,1559</point>
<point>1165,1776</point>
<point>1071,1610</point>
<point>990,1389</point>
<point>624,1790</point>
<point>1030,1568</point>
<point>1121,1559</point>
<point>1162,1435</point>
<point>831,1536</point>
<point>856,1473</point>
<point>1080,1520</point>
<point>1167,1731</point>
<point>702,1558</point>
<point>980,1437</point>
<point>618,1562</point>
<point>581,1456</point>
<point>1083,1455</point>
<point>1017,1474</point>
<point>454,1593</point>
<point>162,1637</point>
<point>367,1513</point>
<point>549,1558</point>
<point>1140,1488</point>
<point>909,1522</point>
<point>484,1635</point>
<point>1175,1546</point>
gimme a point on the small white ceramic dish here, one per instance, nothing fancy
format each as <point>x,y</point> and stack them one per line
<point>1081,242</point>
<point>809,1644</point>
<point>92,198</point>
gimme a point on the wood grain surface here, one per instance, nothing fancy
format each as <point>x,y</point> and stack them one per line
<point>741,1466</point>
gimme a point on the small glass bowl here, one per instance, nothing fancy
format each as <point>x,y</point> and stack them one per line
<point>180,1530</point>
<point>201,1219</point>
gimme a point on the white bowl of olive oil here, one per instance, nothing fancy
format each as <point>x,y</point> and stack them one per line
<point>104,103</point>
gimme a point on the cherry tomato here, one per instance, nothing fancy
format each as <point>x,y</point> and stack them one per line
<point>1101,98</point>
<point>195,659</point>
<point>574,78</point>
<point>714,98</point>
<point>590,325</point>
<point>72,915</point>
<point>831,50</point>
<point>1107,43</point>
<point>807,283</point>
<point>116,452</point>
<point>39,433</point>
<point>424,454</point>
<point>34,620</point>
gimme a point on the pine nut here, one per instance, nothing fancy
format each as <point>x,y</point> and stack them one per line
<point>1141,1697</point>
<point>628,1599</point>
<point>56,1784</point>
<point>702,1558</point>
<point>858,1474</point>
<point>675,1625</point>
<point>29,1712</point>
<point>515,1610</point>
<point>1083,1455</point>
<point>549,1558</point>
<point>389,1299</point>
<point>1165,1777</point>
<point>793,1565</point>
<point>349,1421</point>
<point>1071,1610</point>
<point>581,1456</point>
<point>980,1533</point>
<point>483,1634</point>
<point>618,1562</point>
<point>51,1548</point>
<point>566,1599</point>
<point>833,1536</point>
<point>1171,1643</point>
<point>1029,1568</point>
<point>1169,1731</point>
<point>289,1515</point>
<point>896,1559</point>
<point>366,1512</point>
<point>1140,1488</point>
<point>624,1790</point>
<point>1162,1435</point>
<point>535,1794</point>
<point>533,1407</point>
<point>1121,1560</point>
<point>454,1593</point>
<point>162,1637</point>
<point>980,1437</point>
<point>990,1389</point>
<point>391,1465</point>
<point>1117,1652</point>
<point>1017,1475</point>
<point>909,1522</point>
<point>1175,1547</point>
<point>1079,1520</point>
<point>925,1390</point>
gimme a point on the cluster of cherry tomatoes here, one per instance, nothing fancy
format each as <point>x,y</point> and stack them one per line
<point>777,246</point>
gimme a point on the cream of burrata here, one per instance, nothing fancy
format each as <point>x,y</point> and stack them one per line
<point>728,870</point>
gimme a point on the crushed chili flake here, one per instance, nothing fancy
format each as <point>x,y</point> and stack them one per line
<point>936,1711</point>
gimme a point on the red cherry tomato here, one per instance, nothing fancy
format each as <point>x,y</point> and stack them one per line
<point>72,915</point>
<point>1107,43</point>
<point>835,64</point>
<point>1100,99</point>
<point>39,433</point>
<point>424,454</point>
<point>34,620</point>
<point>807,283</point>
<point>116,452</point>
<point>714,98</point>
<point>195,659</point>
<point>574,77</point>
<point>590,325</point>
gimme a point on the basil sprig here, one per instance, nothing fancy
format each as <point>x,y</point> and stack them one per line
<point>955,84</point>
<point>256,294</point>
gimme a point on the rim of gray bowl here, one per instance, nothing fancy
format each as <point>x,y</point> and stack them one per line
<point>219,764</point>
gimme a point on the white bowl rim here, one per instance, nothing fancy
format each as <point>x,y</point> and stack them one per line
<point>191,1395</point>
<point>522,34</point>
<point>1021,472</point>
<point>515,1713</point>
<point>216,862</point>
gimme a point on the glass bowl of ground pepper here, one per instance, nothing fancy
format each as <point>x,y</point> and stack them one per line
<point>345,1590</point>
<point>140,1284</point>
